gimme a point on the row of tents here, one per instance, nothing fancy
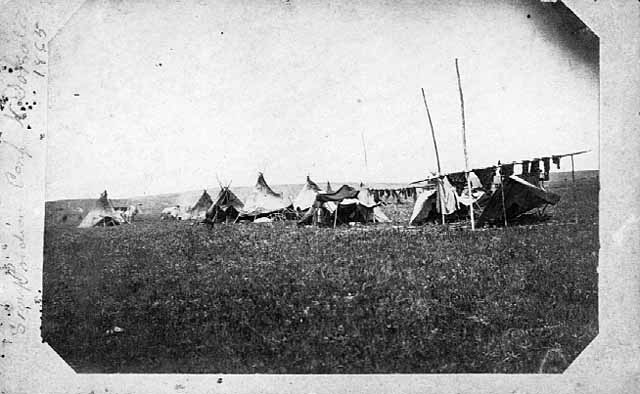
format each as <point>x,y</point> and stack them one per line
<point>315,206</point>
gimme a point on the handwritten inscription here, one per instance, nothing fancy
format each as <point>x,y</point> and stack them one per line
<point>19,70</point>
<point>16,99</point>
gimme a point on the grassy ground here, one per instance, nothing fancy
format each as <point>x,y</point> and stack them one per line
<point>276,298</point>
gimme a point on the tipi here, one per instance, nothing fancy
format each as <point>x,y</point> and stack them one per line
<point>304,200</point>
<point>102,215</point>
<point>199,209</point>
<point>263,200</point>
<point>226,207</point>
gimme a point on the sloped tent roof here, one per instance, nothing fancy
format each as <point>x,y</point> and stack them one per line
<point>199,209</point>
<point>226,204</point>
<point>304,200</point>
<point>103,214</point>
<point>263,200</point>
<point>520,196</point>
<point>429,201</point>
<point>425,203</point>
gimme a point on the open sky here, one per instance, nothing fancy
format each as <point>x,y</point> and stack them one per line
<point>150,97</point>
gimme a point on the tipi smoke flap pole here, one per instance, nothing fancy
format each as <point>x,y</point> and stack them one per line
<point>435,147</point>
<point>573,187</point>
<point>464,143</point>
<point>504,209</point>
<point>366,164</point>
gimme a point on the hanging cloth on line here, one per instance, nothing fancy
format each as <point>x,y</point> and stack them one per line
<point>458,180</point>
<point>556,160</point>
<point>547,167</point>
<point>507,170</point>
<point>525,167</point>
<point>535,166</point>
<point>449,197</point>
<point>485,175</point>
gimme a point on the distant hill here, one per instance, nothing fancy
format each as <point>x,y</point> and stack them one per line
<point>155,203</point>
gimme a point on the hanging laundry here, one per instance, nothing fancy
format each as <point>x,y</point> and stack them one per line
<point>449,197</point>
<point>535,166</point>
<point>547,167</point>
<point>507,170</point>
<point>556,160</point>
<point>525,167</point>
<point>396,196</point>
<point>458,180</point>
<point>485,175</point>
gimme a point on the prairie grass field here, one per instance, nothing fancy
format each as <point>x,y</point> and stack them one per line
<point>278,298</point>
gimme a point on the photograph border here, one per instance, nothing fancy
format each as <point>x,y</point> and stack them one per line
<point>609,364</point>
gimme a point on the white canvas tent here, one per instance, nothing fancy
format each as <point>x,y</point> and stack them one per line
<point>425,203</point>
<point>263,200</point>
<point>102,215</point>
<point>199,209</point>
<point>430,199</point>
<point>304,200</point>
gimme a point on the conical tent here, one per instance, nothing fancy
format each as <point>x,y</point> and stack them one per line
<point>226,207</point>
<point>263,200</point>
<point>329,189</point>
<point>199,209</point>
<point>103,214</point>
<point>520,196</point>
<point>304,200</point>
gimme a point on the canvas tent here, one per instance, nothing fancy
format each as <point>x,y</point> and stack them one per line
<point>428,205</point>
<point>102,215</point>
<point>199,209</point>
<point>520,196</point>
<point>263,201</point>
<point>304,200</point>
<point>226,207</point>
<point>422,209</point>
<point>342,206</point>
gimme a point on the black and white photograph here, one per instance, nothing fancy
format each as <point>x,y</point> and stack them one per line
<point>321,187</point>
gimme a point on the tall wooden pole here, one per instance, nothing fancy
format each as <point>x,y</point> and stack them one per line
<point>573,187</point>
<point>464,143</point>
<point>504,209</point>
<point>366,164</point>
<point>435,147</point>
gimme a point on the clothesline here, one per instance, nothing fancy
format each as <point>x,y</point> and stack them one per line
<point>502,164</point>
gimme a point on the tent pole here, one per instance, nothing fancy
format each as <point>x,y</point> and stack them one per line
<point>335,215</point>
<point>366,164</point>
<point>573,186</point>
<point>464,143</point>
<point>504,209</point>
<point>435,147</point>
